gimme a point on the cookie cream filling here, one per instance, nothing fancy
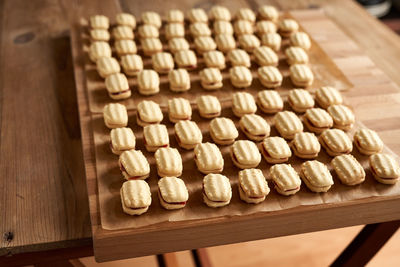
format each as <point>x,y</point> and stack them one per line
<point>120,92</point>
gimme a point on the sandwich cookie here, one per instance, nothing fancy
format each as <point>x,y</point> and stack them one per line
<point>148,112</point>
<point>148,31</point>
<point>249,42</point>
<point>225,42</point>
<point>99,50</point>
<point>287,27</point>
<point>305,145</point>
<point>253,188</point>
<point>169,162</point>
<point>175,16</point>
<point>270,76</point>
<point>179,80</point>
<point>135,197</point>
<point>296,55</point>
<point>188,134</point>
<point>255,127</point>
<point>301,75</point>
<point>214,59</point>
<point>107,66</point>
<point>327,96</point>
<point>220,13</point>
<point>117,86</point>
<point>179,109</point>
<point>222,27</point>
<point>288,124</point>
<point>243,103</point>
<point>240,76</point>
<point>275,150</point>
<point>241,27</point>
<point>265,56</point>
<point>172,193</point>
<point>268,12</point>
<point>99,22</point>
<point>204,44</point>
<point>126,19</point>
<point>197,15</point>
<point>152,18</point>
<point>148,82</point>
<point>223,131</point>
<point>239,57</point>
<point>151,46</point>
<point>208,158</point>
<point>348,169</point>
<point>368,141</point>
<point>198,29</point>
<point>125,47</point>
<point>155,136</point>
<point>186,59</point>
<point>316,176</point>
<point>300,39</point>
<point>217,190</point>
<point>123,33</point>
<point>343,117</point>
<point>99,35</point>
<point>246,14</point>
<point>385,168</point>
<point>211,78</point>
<point>269,101</point>
<point>178,44</point>
<point>162,62</point>
<point>132,64</point>
<point>245,154</point>
<point>336,142</point>
<point>208,106</point>
<point>115,115</point>
<point>134,165</point>
<point>174,30</point>
<point>265,26</point>
<point>272,40</point>
<point>285,178</point>
<point>122,139</point>
<point>317,120</point>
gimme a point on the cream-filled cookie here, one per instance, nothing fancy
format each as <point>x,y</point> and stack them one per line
<point>99,50</point>
<point>288,124</point>
<point>265,26</point>
<point>148,31</point>
<point>117,86</point>
<point>246,14</point>
<point>151,46</point>
<point>243,103</point>
<point>134,165</point>
<point>265,56</point>
<point>253,187</point>
<point>123,33</point>
<point>343,117</point>
<point>296,55</point>
<point>220,13</point>
<point>268,12</point>
<point>135,197</point>
<point>148,112</point>
<point>368,141</point>
<point>305,145</point>
<point>300,100</point>
<point>301,75</point>
<point>162,62</point>
<point>174,30</point>
<point>125,47</point>
<point>148,82</point>
<point>155,136</point>
<point>126,19</point>
<point>270,76</point>
<point>327,96</point>
<point>245,154</point>
<point>255,127</point>
<point>168,161</point>
<point>208,106</point>
<point>152,18</point>
<point>208,158</point>
<point>197,15</point>
<point>239,57</point>
<point>178,44</point>
<point>241,27</point>
<point>115,115</point>
<point>198,29</point>
<point>99,35</point>
<point>285,178</point>
<point>179,80</point>
<point>122,139</point>
<point>275,150</point>
<point>300,39</point>
<point>317,120</point>
<point>188,134</point>
<point>222,27</point>
<point>249,42</point>
<point>211,78</point>
<point>204,44</point>
<point>385,168</point>
<point>132,64</point>
<point>269,101</point>
<point>172,193</point>
<point>316,176</point>
<point>214,59</point>
<point>223,131</point>
<point>107,66</point>
<point>336,142</point>
<point>175,16</point>
<point>217,190</point>
<point>179,109</point>
<point>225,42</point>
<point>186,59</point>
<point>240,76</point>
<point>348,169</point>
<point>99,22</point>
<point>287,27</point>
<point>272,40</point>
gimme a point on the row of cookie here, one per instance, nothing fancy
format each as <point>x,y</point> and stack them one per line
<point>194,15</point>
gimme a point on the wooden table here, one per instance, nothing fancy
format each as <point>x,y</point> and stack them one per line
<point>44,202</point>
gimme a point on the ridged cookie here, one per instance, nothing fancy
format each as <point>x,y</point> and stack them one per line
<point>188,134</point>
<point>286,180</point>
<point>255,127</point>
<point>155,136</point>
<point>223,131</point>
<point>316,176</point>
<point>253,188</point>
<point>336,142</point>
<point>115,115</point>
<point>208,158</point>
<point>348,169</point>
<point>288,124</point>
<point>168,161</point>
<point>245,154</point>
<point>275,150</point>
<point>217,190</point>
<point>148,112</point>
<point>305,145</point>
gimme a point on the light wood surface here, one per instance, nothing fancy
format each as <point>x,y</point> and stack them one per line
<point>370,84</point>
<point>42,187</point>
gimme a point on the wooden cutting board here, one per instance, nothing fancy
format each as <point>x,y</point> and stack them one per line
<point>368,82</point>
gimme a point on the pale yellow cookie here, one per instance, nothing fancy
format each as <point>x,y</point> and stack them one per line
<point>265,56</point>
<point>272,40</point>
<point>316,176</point>
<point>223,131</point>
<point>241,27</point>
<point>305,145</point>
<point>197,15</point>
<point>214,59</point>
<point>348,169</point>
<point>123,33</point>
<point>98,35</point>
<point>204,44</point>
<point>98,50</point>
<point>107,66</point>
<point>217,190</point>
<point>300,100</point>
<point>188,134</point>
<point>151,46</point>
<point>245,154</point>
<point>208,158</point>
<point>125,47</point>
<point>208,106</point>
<point>126,19</point>
<point>135,197</point>
<point>269,101</point>
<point>317,120</point>
<point>174,30</point>
<point>287,27</point>
<point>178,44</point>
<point>175,16</point>
<point>246,14</point>
<point>222,27</point>
<point>239,57</point>
<point>248,42</point>
<point>265,26</point>
<point>288,124</point>
<point>179,109</point>
<point>186,59</point>
<point>115,115</point>
<point>169,162</point>
<point>255,127</point>
<point>327,96</point>
<point>225,42</point>
<point>296,55</point>
<point>198,29</point>
<point>179,80</point>
<point>211,78</point>
<point>270,76</point>
<point>285,178</point>
<point>385,168</point>
<point>301,75</point>
<point>155,136</point>
<point>220,13</point>
<point>172,193</point>
<point>148,82</point>
<point>117,86</point>
<point>253,187</point>
<point>163,62</point>
<point>368,141</point>
<point>99,22</point>
<point>343,117</point>
<point>132,64</point>
<point>148,112</point>
<point>336,142</point>
<point>152,18</point>
<point>122,139</point>
<point>240,76</point>
<point>243,103</point>
<point>148,31</point>
<point>275,150</point>
<point>268,12</point>
<point>134,165</point>
<point>300,39</point>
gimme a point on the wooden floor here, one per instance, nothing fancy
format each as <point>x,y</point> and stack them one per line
<point>312,249</point>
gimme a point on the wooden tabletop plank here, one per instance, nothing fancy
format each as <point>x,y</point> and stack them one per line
<point>43,193</point>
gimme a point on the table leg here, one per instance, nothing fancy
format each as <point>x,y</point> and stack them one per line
<point>366,244</point>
